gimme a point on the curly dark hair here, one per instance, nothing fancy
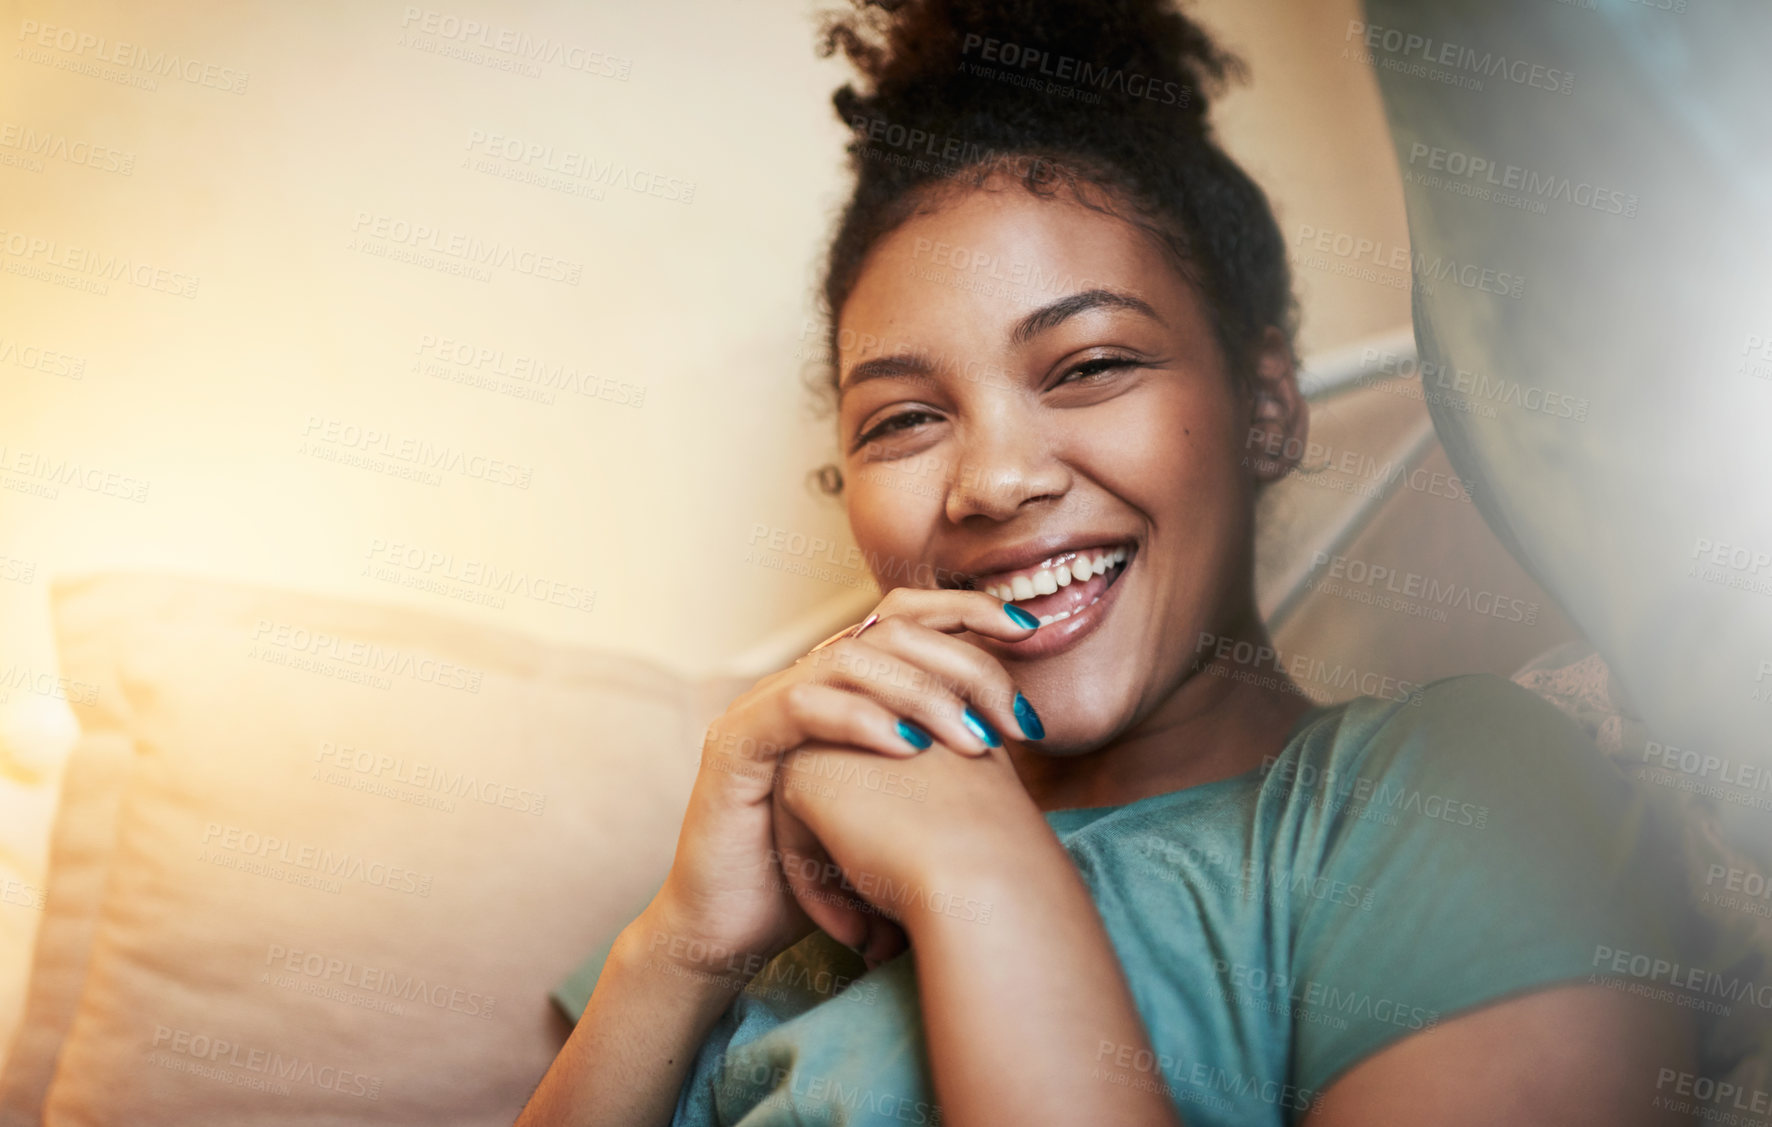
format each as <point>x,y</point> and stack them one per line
<point>1071,94</point>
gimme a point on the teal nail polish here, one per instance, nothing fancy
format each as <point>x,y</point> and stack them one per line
<point>1028,719</point>
<point>981,728</point>
<point>1021,617</point>
<point>914,735</point>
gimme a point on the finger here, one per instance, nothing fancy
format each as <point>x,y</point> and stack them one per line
<point>814,710</point>
<point>908,690</point>
<point>956,612</point>
<point>810,876</point>
<point>886,940</point>
<point>965,669</point>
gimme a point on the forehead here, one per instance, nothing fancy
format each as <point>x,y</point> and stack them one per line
<point>976,263</point>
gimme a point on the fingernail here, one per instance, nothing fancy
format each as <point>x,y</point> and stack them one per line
<point>1028,719</point>
<point>914,735</point>
<point>981,728</point>
<point>1021,617</point>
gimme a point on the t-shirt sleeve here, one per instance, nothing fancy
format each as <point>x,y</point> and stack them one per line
<point>1495,851</point>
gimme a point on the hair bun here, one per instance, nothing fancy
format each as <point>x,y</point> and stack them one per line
<point>986,71</point>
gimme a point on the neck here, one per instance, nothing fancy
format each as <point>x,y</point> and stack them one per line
<point>1223,719</point>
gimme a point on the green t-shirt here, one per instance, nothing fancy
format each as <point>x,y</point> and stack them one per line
<point>1399,862</point>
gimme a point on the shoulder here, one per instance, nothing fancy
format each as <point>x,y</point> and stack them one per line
<point>1477,732</point>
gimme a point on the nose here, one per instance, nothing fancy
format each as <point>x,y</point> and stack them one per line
<point>1005,463</point>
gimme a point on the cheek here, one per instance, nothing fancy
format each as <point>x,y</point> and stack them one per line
<point>1166,451</point>
<point>891,510</point>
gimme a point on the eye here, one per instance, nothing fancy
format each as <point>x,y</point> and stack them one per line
<point>893,424</point>
<point>1090,371</point>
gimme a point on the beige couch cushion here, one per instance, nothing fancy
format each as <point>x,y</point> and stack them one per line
<point>82,837</point>
<point>357,847</point>
<point>81,841</point>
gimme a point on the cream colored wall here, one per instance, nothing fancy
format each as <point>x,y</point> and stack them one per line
<point>210,413</point>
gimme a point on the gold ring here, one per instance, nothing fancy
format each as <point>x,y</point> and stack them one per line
<point>846,632</point>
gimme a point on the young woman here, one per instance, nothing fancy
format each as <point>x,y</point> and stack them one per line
<point>1051,838</point>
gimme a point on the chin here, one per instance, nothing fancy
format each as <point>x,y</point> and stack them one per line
<point>1080,713</point>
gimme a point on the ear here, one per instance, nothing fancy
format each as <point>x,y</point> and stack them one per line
<point>1279,418</point>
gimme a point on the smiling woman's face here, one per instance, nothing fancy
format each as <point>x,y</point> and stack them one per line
<point>1026,382</point>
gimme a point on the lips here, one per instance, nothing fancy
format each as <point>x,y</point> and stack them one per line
<point>1070,614</point>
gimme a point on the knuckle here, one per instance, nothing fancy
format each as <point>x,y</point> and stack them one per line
<point>893,627</point>
<point>799,698</point>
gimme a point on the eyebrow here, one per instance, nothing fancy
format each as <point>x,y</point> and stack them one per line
<point>910,365</point>
<point>1055,314</point>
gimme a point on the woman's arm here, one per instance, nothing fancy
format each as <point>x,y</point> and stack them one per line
<point>631,1050</point>
<point>1028,1016</point>
<point>1572,1056</point>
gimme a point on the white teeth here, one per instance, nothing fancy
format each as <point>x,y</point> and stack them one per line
<point>1048,580</point>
